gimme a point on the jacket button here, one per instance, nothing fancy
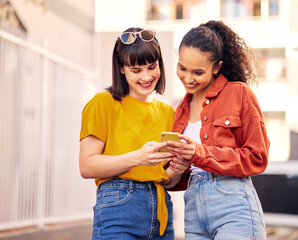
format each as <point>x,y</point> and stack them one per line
<point>227,122</point>
<point>205,118</point>
<point>207,101</point>
<point>205,136</point>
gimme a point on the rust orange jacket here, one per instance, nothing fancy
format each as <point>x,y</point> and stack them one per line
<point>233,133</point>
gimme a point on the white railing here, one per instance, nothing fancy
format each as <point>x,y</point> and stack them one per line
<point>41,99</point>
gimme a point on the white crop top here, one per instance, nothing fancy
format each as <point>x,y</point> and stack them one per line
<point>192,131</point>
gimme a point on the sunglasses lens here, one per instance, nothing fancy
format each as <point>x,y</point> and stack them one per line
<point>128,38</point>
<point>147,35</point>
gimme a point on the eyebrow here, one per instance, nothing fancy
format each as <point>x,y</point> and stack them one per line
<point>133,67</point>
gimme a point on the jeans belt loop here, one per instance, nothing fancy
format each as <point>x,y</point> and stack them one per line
<point>211,176</point>
<point>189,180</point>
<point>130,186</point>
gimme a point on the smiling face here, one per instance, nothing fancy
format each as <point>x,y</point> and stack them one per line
<point>195,70</point>
<point>142,79</point>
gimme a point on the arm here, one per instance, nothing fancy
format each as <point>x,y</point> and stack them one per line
<point>175,170</point>
<point>238,150</point>
<point>249,159</point>
<point>93,164</point>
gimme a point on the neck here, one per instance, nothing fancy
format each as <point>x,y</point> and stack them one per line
<point>198,97</point>
<point>149,99</point>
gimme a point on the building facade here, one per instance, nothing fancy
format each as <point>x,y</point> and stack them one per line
<point>46,78</point>
<point>269,27</point>
<point>45,64</point>
<point>64,27</point>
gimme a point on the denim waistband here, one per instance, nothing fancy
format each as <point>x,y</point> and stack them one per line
<point>208,176</point>
<point>202,176</point>
<point>119,182</point>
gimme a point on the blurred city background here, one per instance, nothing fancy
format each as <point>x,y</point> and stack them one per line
<point>56,54</point>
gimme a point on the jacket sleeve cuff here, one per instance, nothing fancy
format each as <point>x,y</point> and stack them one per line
<point>196,159</point>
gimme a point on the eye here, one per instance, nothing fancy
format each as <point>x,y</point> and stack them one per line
<point>181,68</point>
<point>153,66</point>
<point>136,70</point>
<point>198,73</point>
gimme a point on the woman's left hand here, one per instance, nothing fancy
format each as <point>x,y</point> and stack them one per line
<point>178,165</point>
<point>185,149</point>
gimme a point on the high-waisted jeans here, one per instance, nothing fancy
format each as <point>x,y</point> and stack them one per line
<point>222,208</point>
<point>127,210</point>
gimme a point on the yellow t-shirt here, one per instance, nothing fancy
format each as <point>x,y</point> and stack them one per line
<point>126,126</point>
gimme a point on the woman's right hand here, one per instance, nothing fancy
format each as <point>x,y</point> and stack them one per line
<point>185,149</point>
<point>149,154</point>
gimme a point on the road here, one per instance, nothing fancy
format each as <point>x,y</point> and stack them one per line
<point>82,231</point>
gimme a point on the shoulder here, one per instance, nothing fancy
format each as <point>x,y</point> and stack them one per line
<point>163,106</point>
<point>239,92</point>
<point>99,101</point>
<point>239,88</point>
<point>245,94</point>
<point>239,85</point>
<point>103,98</point>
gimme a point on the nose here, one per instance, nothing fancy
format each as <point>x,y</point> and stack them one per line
<point>188,78</point>
<point>146,76</point>
<point>184,76</point>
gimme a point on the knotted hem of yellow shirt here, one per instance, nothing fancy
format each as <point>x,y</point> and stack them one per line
<point>162,210</point>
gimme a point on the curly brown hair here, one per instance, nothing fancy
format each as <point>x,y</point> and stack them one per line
<point>223,44</point>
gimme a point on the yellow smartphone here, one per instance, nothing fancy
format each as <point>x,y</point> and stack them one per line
<point>171,136</point>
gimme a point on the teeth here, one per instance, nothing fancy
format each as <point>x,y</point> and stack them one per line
<point>146,84</point>
<point>190,85</point>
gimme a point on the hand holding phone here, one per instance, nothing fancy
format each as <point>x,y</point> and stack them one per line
<point>171,136</point>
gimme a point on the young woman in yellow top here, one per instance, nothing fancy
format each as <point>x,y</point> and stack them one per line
<point>119,145</point>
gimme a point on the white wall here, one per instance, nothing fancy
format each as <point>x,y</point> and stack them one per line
<point>60,35</point>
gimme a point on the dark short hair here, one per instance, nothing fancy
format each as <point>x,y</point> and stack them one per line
<point>137,53</point>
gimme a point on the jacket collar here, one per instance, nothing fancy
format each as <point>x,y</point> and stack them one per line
<point>216,86</point>
<point>186,100</point>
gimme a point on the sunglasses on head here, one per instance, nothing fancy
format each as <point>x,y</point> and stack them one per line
<point>130,37</point>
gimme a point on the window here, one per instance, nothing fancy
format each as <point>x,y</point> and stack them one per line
<point>278,133</point>
<point>248,8</point>
<point>256,9</point>
<point>240,8</point>
<point>161,10</point>
<point>273,7</point>
<point>172,9</point>
<point>179,12</point>
<point>271,64</point>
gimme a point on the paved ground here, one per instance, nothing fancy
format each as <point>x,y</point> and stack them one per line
<point>71,231</point>
<point>82,231</point>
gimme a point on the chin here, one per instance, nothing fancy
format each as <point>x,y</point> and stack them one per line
<point>191,90</point>
<point>147,92</point>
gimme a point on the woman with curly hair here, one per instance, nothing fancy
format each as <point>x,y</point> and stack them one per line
<point>224,136</point>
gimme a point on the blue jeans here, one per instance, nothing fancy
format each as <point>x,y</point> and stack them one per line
<point>222,208</point>
<point>127,210</point>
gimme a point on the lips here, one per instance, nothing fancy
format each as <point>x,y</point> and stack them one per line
<point>146,84</point>
<point>191,86</point>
